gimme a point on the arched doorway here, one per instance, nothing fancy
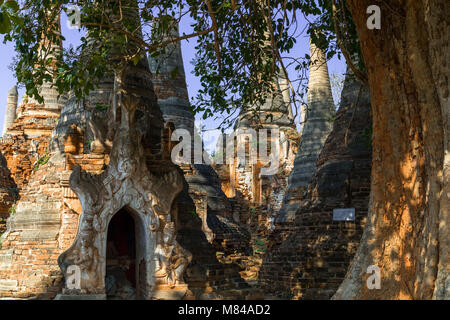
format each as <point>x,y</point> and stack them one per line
<point>121,250</point>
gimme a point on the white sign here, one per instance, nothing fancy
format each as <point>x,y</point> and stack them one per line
<point>346,214</point>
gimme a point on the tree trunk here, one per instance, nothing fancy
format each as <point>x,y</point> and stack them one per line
<point>407,234</point>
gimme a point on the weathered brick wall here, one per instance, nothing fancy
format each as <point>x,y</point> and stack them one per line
<point>30,248</point>
<point>245,182</point>
<point>44,226</point>
<point>254,200</point>
<point>23,149</point>
<point>46,218</point>
<point>216,270</point>
<point>202,199</point>
<point>308,258</point>
<point>44,223</point>
<point>26,141</point>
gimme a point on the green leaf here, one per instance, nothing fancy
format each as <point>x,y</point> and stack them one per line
<point>174,73</point>
<point>11,4</point>
<point>136,60</point>
<point>5,23</point>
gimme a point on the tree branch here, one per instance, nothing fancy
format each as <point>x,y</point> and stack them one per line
<point>216,32</point>
<point>145,46</point>
<point>359,75</point>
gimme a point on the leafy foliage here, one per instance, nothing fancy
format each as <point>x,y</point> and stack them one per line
<point>241,45</point>
<point>12,210</point>
<point>253,38</point>
<point>8,15</point>
<point>193,213</point>
<point>42,161</point>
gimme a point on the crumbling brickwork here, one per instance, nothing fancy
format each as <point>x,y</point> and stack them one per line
<point>25,143</point>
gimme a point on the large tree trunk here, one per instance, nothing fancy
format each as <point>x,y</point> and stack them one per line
<point>407,235</point>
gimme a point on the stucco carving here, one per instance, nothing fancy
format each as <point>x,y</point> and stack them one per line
<point>171,258</point>
<point>148,197</point>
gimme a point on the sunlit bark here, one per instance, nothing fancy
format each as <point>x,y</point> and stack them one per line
<point>407,233</point>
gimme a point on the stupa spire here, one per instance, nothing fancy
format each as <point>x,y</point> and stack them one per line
<point>169,83</point>
<point>51,49</point>
<point>11,106</point>
<point>316,125</point>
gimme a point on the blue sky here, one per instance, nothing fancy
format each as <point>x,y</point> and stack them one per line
<point>188,49</point>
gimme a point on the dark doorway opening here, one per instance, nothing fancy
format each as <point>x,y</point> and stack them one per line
<point>120,281</point>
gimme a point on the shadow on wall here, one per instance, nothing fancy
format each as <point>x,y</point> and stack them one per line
<point>206,276</point>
